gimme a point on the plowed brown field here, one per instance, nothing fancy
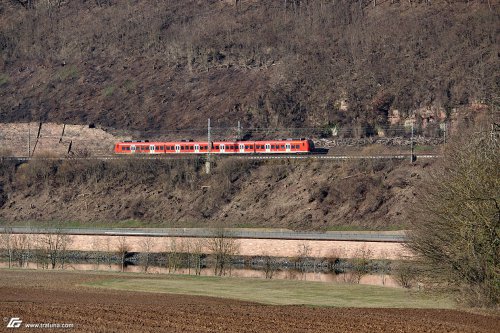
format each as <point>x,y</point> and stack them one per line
<point>57,297</point>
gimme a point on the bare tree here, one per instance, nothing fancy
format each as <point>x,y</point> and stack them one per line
<point>174,252</point>
<point>122,249</point>
<point>146,247</point>
<point>21,247</point>
<point>303,256</point>
<point>384,266</point>
<point>96,247</point>
<point>109,251</point>
<point>196,254</point>
<point>270,265</point>
<point>7,242</point>
<point>455,230</point>
<point>54,247</point>
<point>406,273</point>
<point>223,246</point>
<point>360,263</point>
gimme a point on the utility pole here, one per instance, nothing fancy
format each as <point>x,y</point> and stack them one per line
<point>207,163</point>
<point>412,159</point>
<point>239,131</point>
<point>29,141</point>
<point>444,132</point>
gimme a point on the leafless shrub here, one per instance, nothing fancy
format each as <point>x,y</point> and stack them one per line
<point>406,273</point>
<point>96,251</point>
<point>146,248</point>
<point>195,255</point>
<point>122,248</point>
<point>6,242</point>
<point>53,247</point>
<point>223,247</point>
<point>193,249</point>
<point>270,265</point>
<point>360,263</point>
<point>456,222</point>
<point>303,256</point>
<point>22,245</point>
<point>174,250</point>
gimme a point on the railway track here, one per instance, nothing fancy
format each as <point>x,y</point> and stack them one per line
<point>248,157</point>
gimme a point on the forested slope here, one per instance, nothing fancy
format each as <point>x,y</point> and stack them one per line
<point>156,65</point>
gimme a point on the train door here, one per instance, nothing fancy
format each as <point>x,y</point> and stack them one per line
<point>268,148</point>
<point>222,148</point>
<point>242,147</point>
<point>196,148</point>
<point>288,147</point>
<point>151,149</point>
<point>177,149</point>
<point>132,148</point>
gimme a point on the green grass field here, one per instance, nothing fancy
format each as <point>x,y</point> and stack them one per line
<point>282,292</point>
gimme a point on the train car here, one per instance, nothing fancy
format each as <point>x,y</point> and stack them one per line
<point>140,147</point>
<point>186,147</point>
<point>288,146</point>
<point>245,147</point>
<point>224,147</point>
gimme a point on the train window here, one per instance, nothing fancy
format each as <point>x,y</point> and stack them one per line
<point>123,148</point>
<point>282,146</point>
<point>182,147</point>
<point>272,146</point>
<point>216,147</point>
<point>251,147</point>
<point>246,147</point>
<point>191,147</point>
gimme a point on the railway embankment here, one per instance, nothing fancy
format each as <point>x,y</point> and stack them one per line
<point>293,194</point>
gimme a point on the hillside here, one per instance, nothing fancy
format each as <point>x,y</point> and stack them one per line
<point>295,194</point>
<point>163,65</point>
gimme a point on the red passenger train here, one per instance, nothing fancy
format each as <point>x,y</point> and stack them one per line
<point>288,146</point>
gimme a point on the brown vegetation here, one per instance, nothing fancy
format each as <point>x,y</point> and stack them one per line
<point>294,194</point>
<point>152,65</point>
<point>456,222</point>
